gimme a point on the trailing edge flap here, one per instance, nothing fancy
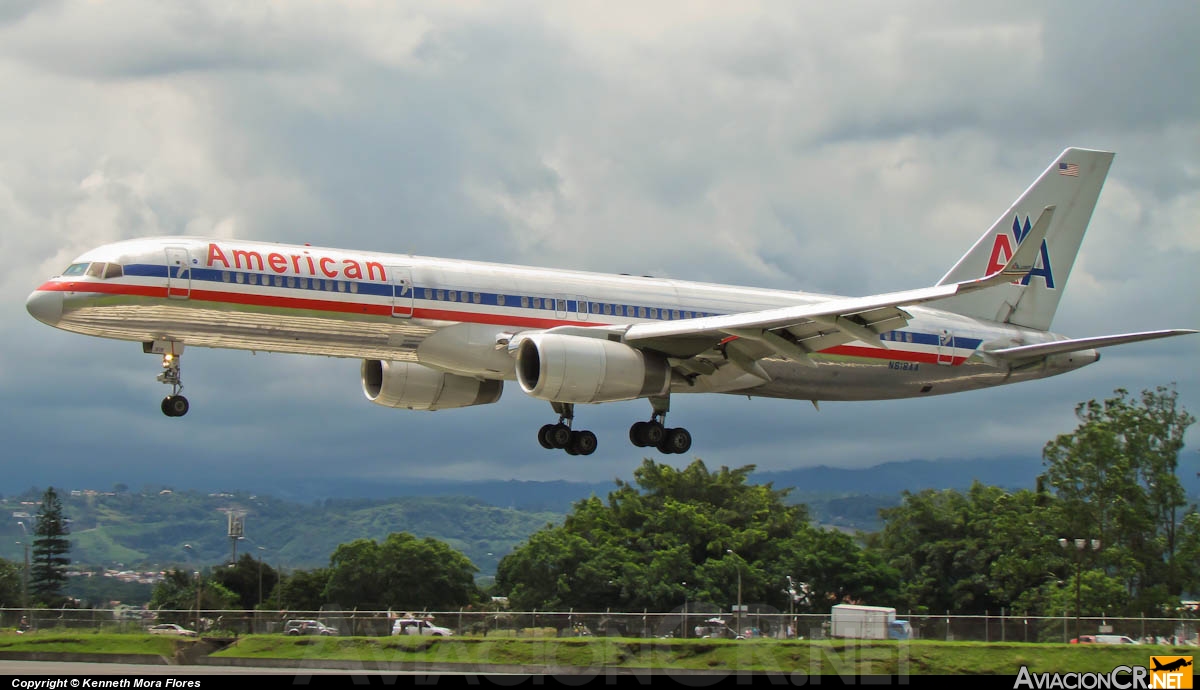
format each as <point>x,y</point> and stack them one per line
<point>1024,352</point>
<point>851,316</point>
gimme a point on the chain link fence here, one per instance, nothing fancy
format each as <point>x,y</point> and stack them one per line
<point>692,620</point>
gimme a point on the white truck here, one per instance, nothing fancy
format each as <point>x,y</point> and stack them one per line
<point>867,623</point>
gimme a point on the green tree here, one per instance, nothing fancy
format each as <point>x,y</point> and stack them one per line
<point>686,535</point>
<point>48,570</point>
<point>181,593</point>
<point>966,552</point>
<point>11,591</point>
<point>250,579</point>
<point>1115,477</point>
<point>303,590</point>
<point>401,573</point>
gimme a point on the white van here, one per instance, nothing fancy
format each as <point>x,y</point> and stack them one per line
<point>1115,639</point>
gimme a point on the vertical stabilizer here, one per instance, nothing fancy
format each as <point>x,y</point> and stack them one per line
<point>1072,184</point>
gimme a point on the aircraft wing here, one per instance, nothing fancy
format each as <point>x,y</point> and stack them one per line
<point>795,332</point>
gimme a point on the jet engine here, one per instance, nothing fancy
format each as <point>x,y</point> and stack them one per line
<point>412,386</point>
<point>576,369</point>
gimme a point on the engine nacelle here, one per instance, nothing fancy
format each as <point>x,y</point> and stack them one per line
<point>412,386</point>
<point>575,369</point>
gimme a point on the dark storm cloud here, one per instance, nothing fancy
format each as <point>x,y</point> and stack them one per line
<point>846,149</point>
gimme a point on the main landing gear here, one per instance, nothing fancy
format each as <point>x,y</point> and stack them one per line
<point>651,434</point>
<point>174,405</point>
<point>654,434</point>
<point>562,436</point>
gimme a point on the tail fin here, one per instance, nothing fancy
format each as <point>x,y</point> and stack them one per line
<point>1072,183</point>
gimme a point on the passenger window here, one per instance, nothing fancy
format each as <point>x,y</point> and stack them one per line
<point>96,270</point>
<point>240,277</point>
<point>476,297</point>
<point>453,295</point>
<point>562,305</point>
<point>75,270</point>
<point>608,310</point>
<point>278,281</point>
<point>537,302</point>
<point>226,277</point>
<point>291,282</point>
<point>354,288</point>
<point>595,307</point>
<point>341,286</point>
<point>500,300</point>
<point>254,279</point>
<point>675,314</point>
<point>524,302</point>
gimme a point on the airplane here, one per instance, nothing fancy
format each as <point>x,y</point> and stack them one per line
<point>435,333</point>
<point>1179,663</point>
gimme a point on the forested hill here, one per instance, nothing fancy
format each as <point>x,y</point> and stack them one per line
<point>484,520</point>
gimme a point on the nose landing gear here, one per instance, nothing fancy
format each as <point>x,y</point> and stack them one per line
<point>174,405</point>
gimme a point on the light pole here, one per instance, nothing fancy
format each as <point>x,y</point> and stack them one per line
<point>685,602</point>
<point>1080,545</point>
<point>739,599</point>
<point>261,549</point>
<point>25,575</point>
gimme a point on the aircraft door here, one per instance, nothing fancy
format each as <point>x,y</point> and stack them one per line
<point>179,273</point>
<point>402,291</point>
<point>581,307</point>
<point>945,356</point>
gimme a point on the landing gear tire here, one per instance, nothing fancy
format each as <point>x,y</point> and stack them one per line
<point>582,443</point>
<point>559,435</point>
<point>675,441</point>
<point>544,436</point>
<point>175,406</point>
<point>646,434</point>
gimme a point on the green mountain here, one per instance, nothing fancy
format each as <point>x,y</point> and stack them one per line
<point>153,529</point>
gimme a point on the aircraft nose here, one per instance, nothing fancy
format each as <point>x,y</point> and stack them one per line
<point>45,306</point>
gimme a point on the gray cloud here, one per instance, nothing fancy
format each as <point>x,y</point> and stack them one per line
<point>850,149</point>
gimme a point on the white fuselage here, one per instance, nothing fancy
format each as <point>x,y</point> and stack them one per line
<point>454,316</point>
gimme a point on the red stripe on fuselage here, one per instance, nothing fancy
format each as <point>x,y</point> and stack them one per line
<point>252,299</point>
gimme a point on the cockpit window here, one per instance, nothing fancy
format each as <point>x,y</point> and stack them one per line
<point>96,270</point>
<point>112,271</point>
<point>75,270</point>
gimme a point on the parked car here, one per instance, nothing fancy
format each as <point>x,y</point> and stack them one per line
<point>419,626</point>
<point>308,627</point>
<point>170,629</point>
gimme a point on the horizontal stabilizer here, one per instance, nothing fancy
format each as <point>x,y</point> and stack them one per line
<point>1075,345</point>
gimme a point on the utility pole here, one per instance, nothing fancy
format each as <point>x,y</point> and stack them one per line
<point>739,598</point>
<point>1080,545</point>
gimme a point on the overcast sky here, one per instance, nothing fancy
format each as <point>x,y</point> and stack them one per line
<point>848,148</point>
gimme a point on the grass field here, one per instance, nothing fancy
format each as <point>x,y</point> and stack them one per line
<point>575,655</point>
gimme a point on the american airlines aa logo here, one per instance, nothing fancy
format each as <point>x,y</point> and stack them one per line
<point>1004,247</point>
<point>1171,672</point>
